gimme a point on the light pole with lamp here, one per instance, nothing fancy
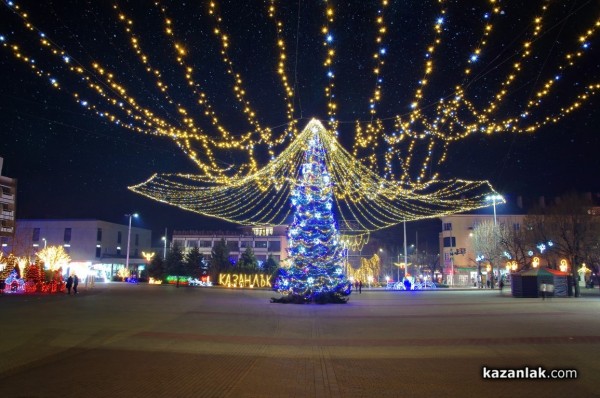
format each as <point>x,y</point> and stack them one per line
<point>45,242</point>
<point>381,257</point>
<point>129,238</point>
<point>405,252</point>
<point>494,198</point>
<point>164,238</point>
<point>399,266</point>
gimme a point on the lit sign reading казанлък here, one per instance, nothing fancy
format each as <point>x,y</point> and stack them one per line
<point>244,280</point>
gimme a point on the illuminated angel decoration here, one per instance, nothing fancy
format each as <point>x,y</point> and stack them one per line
<point>387,174</point>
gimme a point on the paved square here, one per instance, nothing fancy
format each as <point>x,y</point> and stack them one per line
<point>124,340</point>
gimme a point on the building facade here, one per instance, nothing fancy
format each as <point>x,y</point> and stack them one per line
<point>265,241</point>
<point>8,204</point>
<point>458,258</point>
<point>99,247</point>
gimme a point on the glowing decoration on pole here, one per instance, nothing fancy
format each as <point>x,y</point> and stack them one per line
<point>148,256</point>
<point>564,266</point>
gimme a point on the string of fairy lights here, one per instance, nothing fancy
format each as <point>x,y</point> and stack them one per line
<point>328,64</point>
<point>389,177</point>
<point>292,129</point>
<point>364,200</point>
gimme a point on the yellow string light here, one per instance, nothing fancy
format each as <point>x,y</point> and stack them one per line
<point>370,201</point>
<point>407,147</point>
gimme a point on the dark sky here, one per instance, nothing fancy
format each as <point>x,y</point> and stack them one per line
<point>72,164</point>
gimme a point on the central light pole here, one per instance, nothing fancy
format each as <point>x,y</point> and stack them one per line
<point>129,238</point>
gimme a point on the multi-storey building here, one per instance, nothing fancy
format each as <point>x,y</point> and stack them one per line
<point>458,258</point>
<point>8,202</point>
<point>94,245</point>
<point>265,241</point>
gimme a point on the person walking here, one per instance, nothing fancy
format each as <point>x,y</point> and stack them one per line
<point>501,284</point>
<point>359,287</point>
<point>75,283</point>
<point>543,290</point>
<point>69,284</point>
<point>549,290</point>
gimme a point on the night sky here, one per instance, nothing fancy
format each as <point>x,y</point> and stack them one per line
<point>71,163</point>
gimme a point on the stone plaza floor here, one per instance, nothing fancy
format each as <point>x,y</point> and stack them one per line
<point>124,340</point>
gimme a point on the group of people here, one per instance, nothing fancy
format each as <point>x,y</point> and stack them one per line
<point>358,286</point>
<point>72,282</point>
<point>488,283</point>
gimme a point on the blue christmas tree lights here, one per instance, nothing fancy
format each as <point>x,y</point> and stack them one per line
<point>316,273</point>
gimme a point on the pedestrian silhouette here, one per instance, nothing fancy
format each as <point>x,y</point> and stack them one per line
<point>69,284</point>
<point>75,283</point>
<point>543,288</point>
<point>359,287</point>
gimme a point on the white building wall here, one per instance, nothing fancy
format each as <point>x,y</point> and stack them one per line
<point>8,206</point>
<point>83,243</point>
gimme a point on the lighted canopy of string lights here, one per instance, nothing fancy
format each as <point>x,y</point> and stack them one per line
<point>361,195</point>
<point>390,173</point>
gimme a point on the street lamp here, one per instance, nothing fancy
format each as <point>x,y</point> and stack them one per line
<point>164,238</point>
<point>399,267</point>
<point>494,198</point>
<point>405,251</point>
<point>563,265</point>
<point>129,238</point>
<point>45,242</point>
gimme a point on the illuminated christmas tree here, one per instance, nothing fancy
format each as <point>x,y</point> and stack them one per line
<point>316,273</point>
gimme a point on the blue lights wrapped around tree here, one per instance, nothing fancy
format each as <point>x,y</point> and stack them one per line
<point>316,273</point>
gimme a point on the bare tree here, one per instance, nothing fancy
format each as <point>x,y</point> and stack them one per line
<point>517,241</point>
<point>22,244</point>
<point>486,243</point>
<point>571,227</point>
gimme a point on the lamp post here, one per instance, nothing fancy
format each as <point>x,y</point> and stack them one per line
<point>494,198</point>
<point>381,262</point>
<point>405,252</point>
<point>129,238</point>
<point>45,242</point>
<point>164,238</point>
